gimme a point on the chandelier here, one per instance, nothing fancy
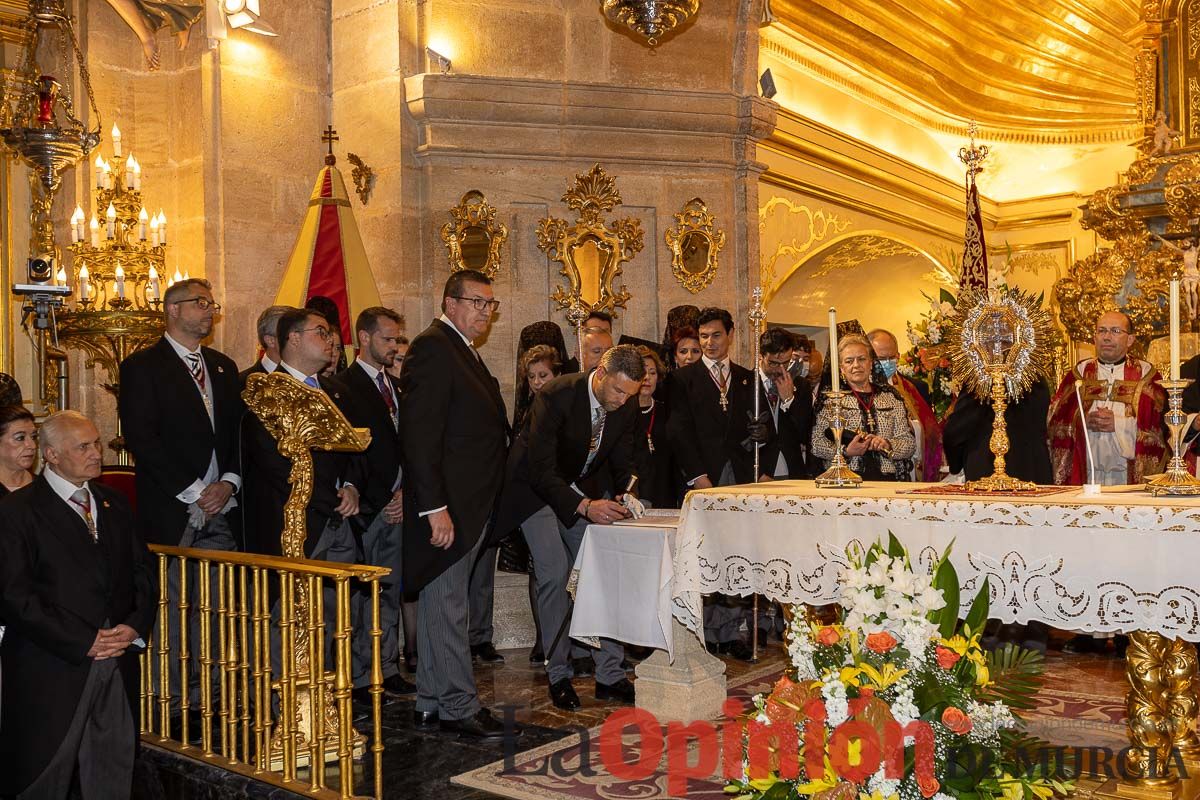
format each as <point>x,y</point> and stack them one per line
<point>650,19</point>
<point>37,117</point>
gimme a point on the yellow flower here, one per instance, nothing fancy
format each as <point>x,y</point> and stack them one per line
<point>821,784</point>
<point>762,784</point>
<point>883,677</point>
<point>1012,788</point>
<point>876,795</point>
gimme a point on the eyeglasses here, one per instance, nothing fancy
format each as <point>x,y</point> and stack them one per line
<point>321,330</point>
<point>480,303</point>
<point>202,303</point>
<point>1111,331</point>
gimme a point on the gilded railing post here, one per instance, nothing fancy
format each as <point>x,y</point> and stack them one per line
<point>1148,706</point>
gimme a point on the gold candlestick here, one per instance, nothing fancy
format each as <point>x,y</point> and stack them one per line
<point>839,475</point>
<point>1176,480</point>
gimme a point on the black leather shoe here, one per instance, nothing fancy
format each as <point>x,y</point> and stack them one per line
<point>583,667</point>
<point>536,656</point>
<point>410,663</point>
<point>362,696</point>
<point>425,720</point>
<point>399,685</point>
<point>481,726</point>
<point>739,650</point>
<point>562,693</point>
<point>712,647</point>
<point>486,653</point>
<point>620,692</point>
<point>195,726</point>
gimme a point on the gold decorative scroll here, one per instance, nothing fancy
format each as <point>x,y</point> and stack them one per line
<point>816,224</point>
<point>473,237</point>
<point>591,251</point>
<point>695,243</point>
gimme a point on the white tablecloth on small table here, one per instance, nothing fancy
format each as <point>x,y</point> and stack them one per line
<point>1118,562</point>
<point>624,585</point>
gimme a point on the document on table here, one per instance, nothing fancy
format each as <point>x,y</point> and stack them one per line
<point>650,522</point>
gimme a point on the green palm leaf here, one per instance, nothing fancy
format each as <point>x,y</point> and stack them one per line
<point>1016,676</point>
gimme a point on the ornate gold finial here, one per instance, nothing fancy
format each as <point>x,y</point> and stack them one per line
<point>329,137</point>
<point>973,156</point>
<point>364,178</point>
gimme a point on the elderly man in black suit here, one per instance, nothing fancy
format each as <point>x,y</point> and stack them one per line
<point>713,431</point>
<point>181,407</point>
<point>578,438</point>
<point>266,328</point>
<point>381,504</point>
<point>78,603</point>
<point>455,432</point>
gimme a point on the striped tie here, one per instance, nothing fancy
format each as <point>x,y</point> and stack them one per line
<point>83,501</point>
<point>197,369</point>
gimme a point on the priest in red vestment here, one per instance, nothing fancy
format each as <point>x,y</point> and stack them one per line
<point>1123,404</point>
<point>928,459</point>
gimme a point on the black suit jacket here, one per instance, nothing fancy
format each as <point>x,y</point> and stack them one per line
<point>169,433</point>
<point>455,432</point>
<point>968,429</point>
<point>704,438</point>
<point>551,450</point>
<point>257,367</point>
<point>383,455</point>
<point>59,589</point>
<point>267,474</point>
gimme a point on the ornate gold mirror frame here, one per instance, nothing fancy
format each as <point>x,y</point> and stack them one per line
<point>473,237</point>
<point>590,251</point>
<point>695,243</point>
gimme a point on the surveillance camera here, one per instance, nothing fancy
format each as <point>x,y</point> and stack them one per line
<point>41,268</point>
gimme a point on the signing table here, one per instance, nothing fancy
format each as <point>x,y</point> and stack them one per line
<point>1122,562</point>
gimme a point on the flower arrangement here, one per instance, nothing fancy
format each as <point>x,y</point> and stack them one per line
<point>897,700</point>
<point>927,360</point>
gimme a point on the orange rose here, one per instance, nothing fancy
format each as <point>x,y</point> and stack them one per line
<point>927,784</point>
<point>881,642</point>
<point>828,635</point>
<point>946,657</point>
<point>957,720</point>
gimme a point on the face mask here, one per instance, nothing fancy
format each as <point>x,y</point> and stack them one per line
<point>798,369</point>
<point>889,366</point>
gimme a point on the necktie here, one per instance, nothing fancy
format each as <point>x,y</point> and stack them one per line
<point>197,369</point>
<point>311,380</point>
<point>83,501</point>
<point>772,395</point>
<point>386,391</point>
<point>598,416</point>
<point>718,371</point>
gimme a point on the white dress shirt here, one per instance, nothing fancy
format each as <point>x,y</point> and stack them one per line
<point>64,489</point>
<point>268,365</point>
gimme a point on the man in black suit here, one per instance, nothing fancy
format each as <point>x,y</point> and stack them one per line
<point>78,603</point>
<point>455,433</point>
<point>789,404</point>
<point>266,328</point>
<point>579,437</point>
<point>381,508</point>
<point>712,430</point>
<point>180,407</point>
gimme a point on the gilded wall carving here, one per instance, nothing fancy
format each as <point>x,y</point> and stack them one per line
<point>788,231</point>
<point>861,250</point>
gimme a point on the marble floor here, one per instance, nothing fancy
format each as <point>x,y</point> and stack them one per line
<point>1083,705</point>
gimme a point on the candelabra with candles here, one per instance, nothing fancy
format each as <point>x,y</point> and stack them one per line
<point>119,268</point>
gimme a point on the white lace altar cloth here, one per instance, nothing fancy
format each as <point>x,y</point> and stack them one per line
<point>1119,562</point>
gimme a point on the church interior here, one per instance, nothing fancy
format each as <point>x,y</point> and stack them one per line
<point>779,159</point>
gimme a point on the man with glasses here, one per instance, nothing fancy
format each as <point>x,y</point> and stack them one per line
<point>1122,408</point>
<point>454,430</point>
<point>927,461</point>
<point>790,408</point>
<point>180,407</point>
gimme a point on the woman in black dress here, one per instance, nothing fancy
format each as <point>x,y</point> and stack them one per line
<point>651,453</point>
<point>18,448</point>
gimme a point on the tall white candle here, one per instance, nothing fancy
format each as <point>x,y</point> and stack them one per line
<point>110,217</point>
<point>99,172</point>
<point>119,282</point>
<point>83,283</point>
<point>1174,329</point>
<point>94,227</point>
<point>154,292</point>
<point>116,140</point>
<point>835,366</point>
<point>143,221</point>
<point>162,227</point>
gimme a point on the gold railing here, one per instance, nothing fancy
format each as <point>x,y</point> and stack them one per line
<point>240,623</point>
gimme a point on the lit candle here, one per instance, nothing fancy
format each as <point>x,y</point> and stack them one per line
<point>119,282</point>
<point>99,174</point>
<point>83,283</point>
<point>186,277</point>
<point>154,231</point>
<point>1174,328</point>
<point>94,226</point>
<point>116,140</point>
<point>153,283</point>
<point>835,367</point>
<point>61,277</point>
<point>110,217</point>
<point>143,219</point>
<point>176,278</point>
<point>162,227</point>
<point>108,178</point>
<point>137,176</point>
<point>130,163</point>
<point>77,225</point>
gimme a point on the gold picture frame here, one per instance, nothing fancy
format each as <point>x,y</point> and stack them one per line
<point>473,237</point>
<point>591,251</point>
<point>695,243</point>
